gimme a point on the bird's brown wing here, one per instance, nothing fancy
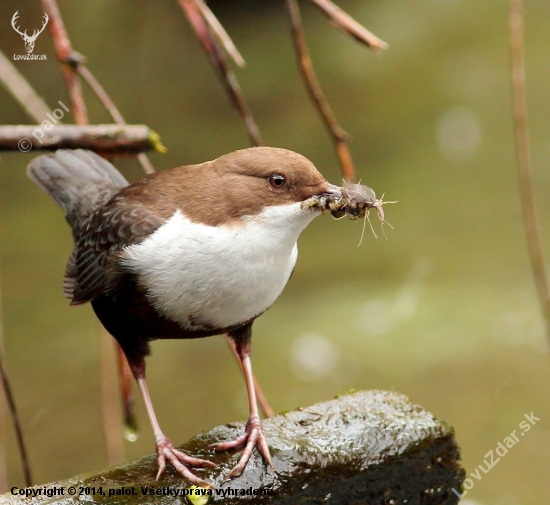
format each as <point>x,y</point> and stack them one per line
<point>119,224</point>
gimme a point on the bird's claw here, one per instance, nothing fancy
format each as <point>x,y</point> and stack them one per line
<point>166,452</point>
<point>252,437</point>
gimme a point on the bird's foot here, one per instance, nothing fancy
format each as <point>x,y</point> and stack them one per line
<point>166,452</point>
<point>252,437</point>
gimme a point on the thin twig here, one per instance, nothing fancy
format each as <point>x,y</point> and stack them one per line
<point>16,424</point>
<point>104,98</point>
<point>221,65</point>
<point>345,22</point>
<point>77,68</point>
<point>73,66</point>
<point>125,375</point>
<point>198,21</point>
<point>68,57</point>
<point>13,409</point>
<point>3,438</point>
<point>124,372</point>
<point>521,132</point>
<point>112,419</point>
<point>22,91</point>
<point>316,93</point>
<point>98,90</point>
<point>128,403</point>
<point>71,60</point>
<point>220,32</point>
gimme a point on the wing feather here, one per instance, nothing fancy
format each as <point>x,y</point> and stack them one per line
<point>114,227</point>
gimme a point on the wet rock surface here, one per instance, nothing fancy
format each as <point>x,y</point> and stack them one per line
<point>369,447</point>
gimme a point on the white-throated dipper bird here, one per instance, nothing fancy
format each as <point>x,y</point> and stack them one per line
<point>190,252</point>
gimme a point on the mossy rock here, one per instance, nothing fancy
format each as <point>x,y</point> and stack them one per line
<point>368,448</point>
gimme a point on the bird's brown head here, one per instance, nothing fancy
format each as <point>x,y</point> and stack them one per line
<point>269,175</point>
<point>238,184</point>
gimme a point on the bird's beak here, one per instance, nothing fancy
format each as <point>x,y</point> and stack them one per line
<point>333,192</point>
<point>352,200</point>
<point>329,199</point>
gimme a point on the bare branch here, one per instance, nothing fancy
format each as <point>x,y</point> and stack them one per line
<point>104,98</point>
<point>98,90</point>
<point>12,408</point>
<point>75,67</point>
<point>112,419</point>
<point>21,90</point>
<point>16,423</point>
<point>3,435</point>
<point>316,93</point>
<point>220,32</point>
<point>128,404</point>
<point>68,58</point>
<point>345,22</point>
<point>219,60</point>
<point>106,139</point>
<point>521,131</point>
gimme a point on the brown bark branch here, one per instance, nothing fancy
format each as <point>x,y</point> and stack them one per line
<point>22,91</point>
<point>3,409</point>
<point>112,418</point>
<point>316,93</point>
<point>521,132</point>
<point>346,23</point>
<point>10,401</point>
<point>69,58</point>
<point>73,68</point>
<point>221,65</point>
<point>107,139</point>
<point>126,379</point>
<point>220,33</point>
<point>15,420</point>
<point>105,99</point>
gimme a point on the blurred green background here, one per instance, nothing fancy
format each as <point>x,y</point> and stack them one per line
<point>443,311</point>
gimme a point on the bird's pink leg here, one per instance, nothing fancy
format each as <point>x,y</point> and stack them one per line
<point>165,449</point>
<point>253,435</point>
<point>262,400</point>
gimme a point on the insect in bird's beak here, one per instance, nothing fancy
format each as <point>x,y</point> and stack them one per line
<point>352,201</point>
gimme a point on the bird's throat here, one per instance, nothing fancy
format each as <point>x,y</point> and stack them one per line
<point>218,276</point>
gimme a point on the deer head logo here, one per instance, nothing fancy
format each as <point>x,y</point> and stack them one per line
<point>29,39</point>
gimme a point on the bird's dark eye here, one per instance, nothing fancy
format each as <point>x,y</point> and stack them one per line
<point>277,181</point>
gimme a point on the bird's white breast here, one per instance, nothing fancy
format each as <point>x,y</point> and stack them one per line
<point>218,276</point>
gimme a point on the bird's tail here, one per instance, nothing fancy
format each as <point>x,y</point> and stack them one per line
<point>80,182</point>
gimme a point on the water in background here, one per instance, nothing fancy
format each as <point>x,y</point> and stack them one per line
<point>443,311</point>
